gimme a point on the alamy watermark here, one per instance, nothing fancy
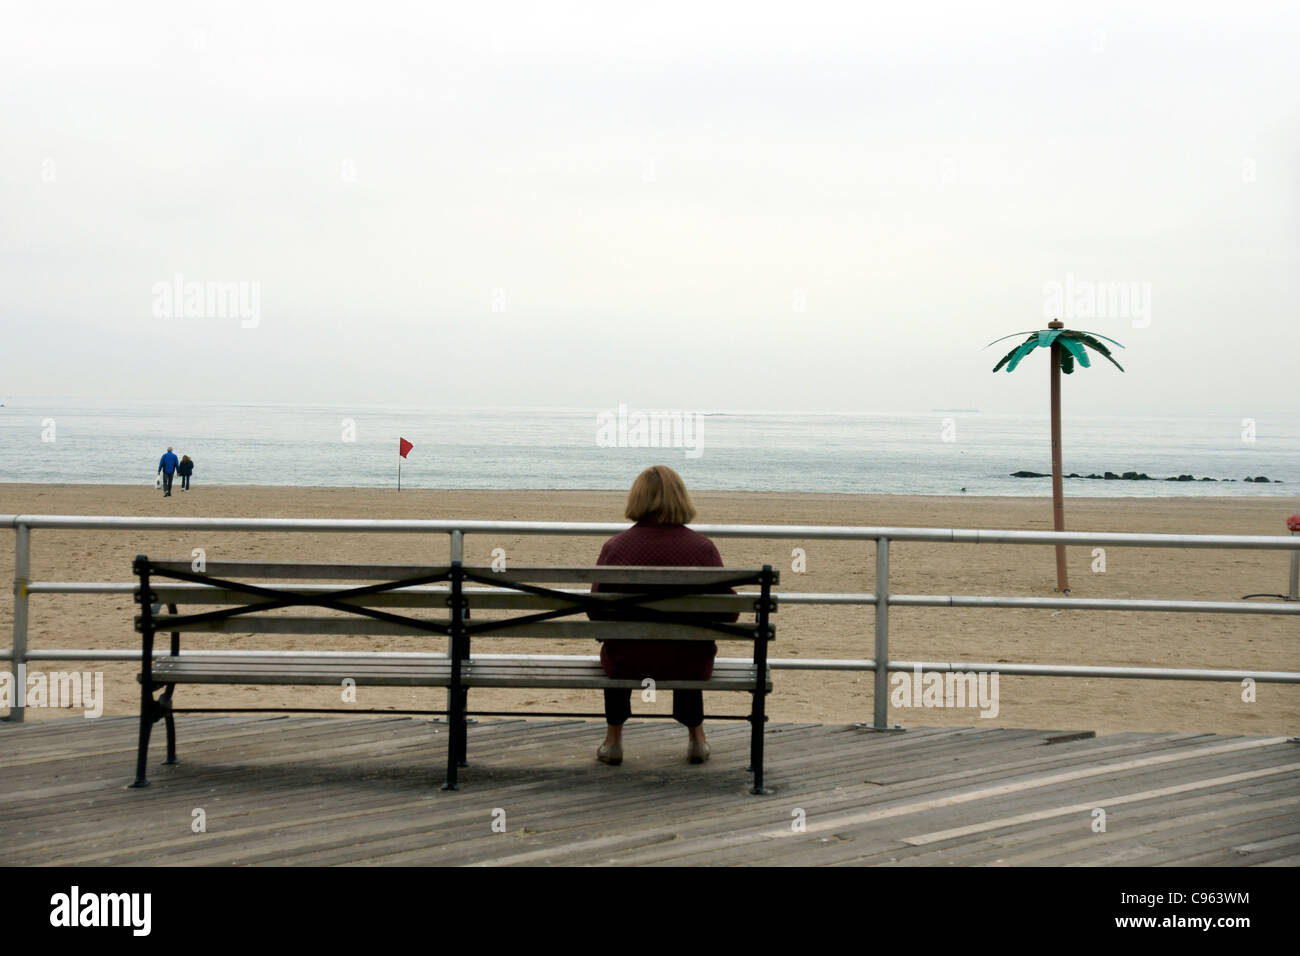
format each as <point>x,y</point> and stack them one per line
<point>129,910</point>
<point>629,428</point>
<point>179,299</point>
<point>1082,299</point>
<point>958,689</point>
<point>84,689</point>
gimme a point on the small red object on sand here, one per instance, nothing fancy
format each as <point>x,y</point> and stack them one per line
<point>1293,522</point>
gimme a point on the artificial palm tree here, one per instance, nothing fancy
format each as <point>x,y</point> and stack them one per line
<point>1066,345</point>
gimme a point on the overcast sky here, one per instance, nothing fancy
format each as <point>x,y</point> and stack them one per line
<point>673,205</point>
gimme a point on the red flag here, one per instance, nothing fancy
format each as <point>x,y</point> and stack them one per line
<point>403,446</point>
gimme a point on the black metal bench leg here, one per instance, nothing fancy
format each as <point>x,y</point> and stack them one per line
<point>171,727</point>
<point>758,712</point>
<point>458,650</point>
<point>756,720</point>
<point>166,698</point>
<point>756,759</point>
<point>455,739</point>
<point>144,597</point>
<point>146,725</point>
<point>462,732</point>
<point>457,718</point>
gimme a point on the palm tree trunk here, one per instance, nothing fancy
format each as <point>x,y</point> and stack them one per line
<point>1058,490</point>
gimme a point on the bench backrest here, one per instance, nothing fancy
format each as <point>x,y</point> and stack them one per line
<point>649,603</point>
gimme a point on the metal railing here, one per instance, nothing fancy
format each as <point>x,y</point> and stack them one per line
<point>882,599</point>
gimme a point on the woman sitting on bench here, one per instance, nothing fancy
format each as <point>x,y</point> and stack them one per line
<point>661,508</point>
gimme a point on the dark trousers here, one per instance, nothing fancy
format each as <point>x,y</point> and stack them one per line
<point>167,483</point>
<point>185,482</point>
<point>688,707</point>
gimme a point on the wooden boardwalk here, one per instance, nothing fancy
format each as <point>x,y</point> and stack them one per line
<point>352,790</point>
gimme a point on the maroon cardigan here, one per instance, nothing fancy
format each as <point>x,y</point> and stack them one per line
<point>664,546</point>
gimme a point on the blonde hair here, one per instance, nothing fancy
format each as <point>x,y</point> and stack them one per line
<point>658,496</point>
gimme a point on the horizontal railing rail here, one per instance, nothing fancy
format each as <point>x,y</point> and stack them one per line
<point>881,599</point>
<point>843,532</point>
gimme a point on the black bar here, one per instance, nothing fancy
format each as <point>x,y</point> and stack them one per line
<point>1029,898</point>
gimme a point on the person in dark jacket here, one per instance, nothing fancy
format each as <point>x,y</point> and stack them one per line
<point>185,469</point>
<point>660,505</point>
<point>167,468</point>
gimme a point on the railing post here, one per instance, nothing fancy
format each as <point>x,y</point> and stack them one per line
<point>1293,593</point>
<point>22,577</point>
<point>882,635</point>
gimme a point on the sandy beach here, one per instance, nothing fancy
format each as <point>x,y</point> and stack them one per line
<point>1064,637</point>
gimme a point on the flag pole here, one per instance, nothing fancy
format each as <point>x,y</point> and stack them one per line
<point>399,472</point>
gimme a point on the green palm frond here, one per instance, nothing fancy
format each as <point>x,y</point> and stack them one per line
<point>1033,337</point>
<point>1087,339</point>
<point>1020,353</point>
<point>1100,336</point>
<point>1011,336</point>
<point>1072,350</point>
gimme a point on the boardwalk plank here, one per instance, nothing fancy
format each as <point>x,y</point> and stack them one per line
<point>362,790</point>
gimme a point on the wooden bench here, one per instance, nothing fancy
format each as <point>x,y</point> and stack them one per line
<point>667,604</point>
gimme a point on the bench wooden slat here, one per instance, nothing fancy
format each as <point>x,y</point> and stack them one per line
<point>517,671</point>
<point>305,665</point>
<point>355,625</point>
<point>297,672</point>
<point>615,630</point>
<point>619,574</point>
<point>334,571</point>
<point>526,672</point>
<point>437,597</point>
<point>259,624</point>
<point>321,570</point>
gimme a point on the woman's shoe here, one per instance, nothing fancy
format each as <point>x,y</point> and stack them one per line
<point>611,754</point>
<point>697,751</point>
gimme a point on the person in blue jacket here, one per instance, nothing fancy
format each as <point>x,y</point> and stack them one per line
<point>167,468</point>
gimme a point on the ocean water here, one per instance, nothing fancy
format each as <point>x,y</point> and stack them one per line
<point>925,452</point>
